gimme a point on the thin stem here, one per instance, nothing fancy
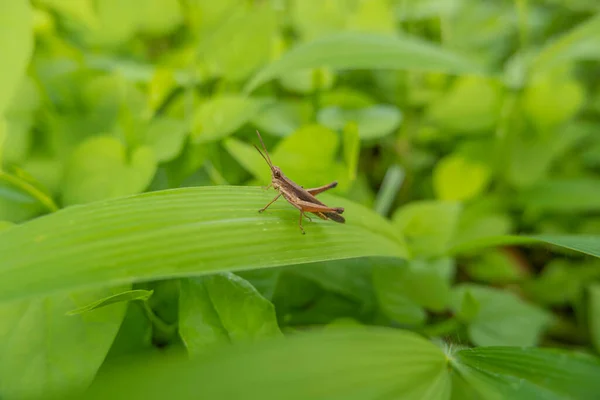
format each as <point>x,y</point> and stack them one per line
<point>30,190</point>
<point>158,323</point>
<point>522,11</point>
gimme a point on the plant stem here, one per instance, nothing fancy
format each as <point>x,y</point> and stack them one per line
<point>30,190</point>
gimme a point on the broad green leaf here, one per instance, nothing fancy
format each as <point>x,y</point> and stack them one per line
<point>469,307</point>
<point>221,116</point>
<point>404,289</point>
<point>527,373</point>
<point>503,318</point>
<point>241,43</point>
<point>428,226</point>
<point>365,51</point>
<point>282,118</point>
<point>128,295</point>
<point>562,196</point>
<point>486,216</point>
<point>496,267</point>
<point>528,164</point>
<point>16,47</point>
<point>45,352</point>
<point>552,100</point>
<point>20,118</point>
<point>223,308</point>
<point>349,278</point>
<point>306,81</point>
<point>471,105</point>
<point>577,44</point>
<point>200,327</point>
<point>160,17</point>
<point>562,283</point>
<point>594,314</point>
<point>100,169</point>
<point>81,11</point>
<point>135,334</point>
<point>117,22</point>
<point>183,232</point>
<point>400,364</point>
<point>375,16</point>
<point>457,178</point>
<point>5,225</point>
<point>587,244</point>
<point>166,137</point>
<point>314,18</point>
<point>372,122</point>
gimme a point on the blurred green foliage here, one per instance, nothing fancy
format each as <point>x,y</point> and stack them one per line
<point>457,121</point>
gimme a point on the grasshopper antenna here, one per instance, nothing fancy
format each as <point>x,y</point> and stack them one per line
<point>267,158</point>
<point>263,156</point>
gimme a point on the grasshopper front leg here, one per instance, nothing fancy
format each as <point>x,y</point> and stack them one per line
<point>272,201</point>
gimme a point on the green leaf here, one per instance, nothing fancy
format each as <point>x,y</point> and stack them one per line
<point>126,296</point>
<point>594,314</point>
<point>404,289</point>
<point>306,81</point>
<point>221,116</point>
<point>5,225</point>
<point>503,318</point>
<point>562,282</point>
<point>283,118</point>
<point>469,307</point>
<point>16,47</point>
<point>553,100</point>
<point>562,196</point>
<point>471,105</point>
<point>586,244</point>
<point>496,267</point>
<point>428,226</point>
<point>399,364</point>
<point>223,308</point>
<point>166,137</point>
<point>349,278</point>
<point>100,169</point>
<point>457,178</point>
<point>373,122</point>
<point>578,44</point>
<point>45,353</point>
<point>365,51</point>
<point>199,324</point>
<point>182,232</point>
<point>241,43</point>
<point>528,373</point>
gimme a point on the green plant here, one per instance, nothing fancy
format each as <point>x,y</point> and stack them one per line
<point>134,263</point>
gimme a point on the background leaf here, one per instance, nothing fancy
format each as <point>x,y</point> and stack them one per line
<point>363,51</point>
<point>38,330</point>
<point>223,308</point>
<point>528,373</point>
<point>503,319</point>
<point>16,46</point>
<point>400,363</point>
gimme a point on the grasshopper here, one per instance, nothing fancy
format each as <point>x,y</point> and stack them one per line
<point>303,199</point>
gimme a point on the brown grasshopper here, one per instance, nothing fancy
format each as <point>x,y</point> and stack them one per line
<point>303,199</point>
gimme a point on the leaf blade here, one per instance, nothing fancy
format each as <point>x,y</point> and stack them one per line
<point>182,232</point>
<point>365,51</point>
